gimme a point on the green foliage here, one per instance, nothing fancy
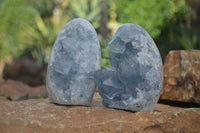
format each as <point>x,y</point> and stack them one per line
<point>152,15</point>
<point>177,35</point>
<point>14,16</point>
<point>105,53</point>
<point>45,8</point>
<point>181,32</point>
<point>49,22</point>
<point>29,30</point>
<point>189,39</point>
<point>87,9</point>
<point>29,27</point>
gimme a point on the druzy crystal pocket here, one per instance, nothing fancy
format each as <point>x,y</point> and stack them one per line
<point>135,81</point>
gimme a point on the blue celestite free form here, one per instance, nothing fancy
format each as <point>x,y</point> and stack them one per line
<point>75,57</point>
<point>135,81</point>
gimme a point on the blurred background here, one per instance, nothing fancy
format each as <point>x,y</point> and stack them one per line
<point>28,29</point>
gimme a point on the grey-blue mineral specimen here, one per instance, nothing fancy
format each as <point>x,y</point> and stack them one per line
<point>135,81</point>
<point>75,56</point>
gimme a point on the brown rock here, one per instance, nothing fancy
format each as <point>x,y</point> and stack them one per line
<point>15,89</point>
<point>26,70</point>
<point>3,98</point>
<point>40,116</point>
<point>182,76</point>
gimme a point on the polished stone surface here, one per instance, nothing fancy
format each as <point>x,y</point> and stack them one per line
<point>135,81</point>
<point>75,56</point>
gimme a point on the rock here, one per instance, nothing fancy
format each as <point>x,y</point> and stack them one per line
<point>75,56</point>
<point>182,76</point>
<point>3,98</point>
<point>15,89</point>
<point>40,116</point>
<point>25,70</point>
<point>135,80</point>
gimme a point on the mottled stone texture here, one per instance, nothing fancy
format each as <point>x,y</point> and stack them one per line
<point>14,90</point>
<point>135,80</point>
<point>182,76</point>
<point>75,56</point>
<point>39,116</point>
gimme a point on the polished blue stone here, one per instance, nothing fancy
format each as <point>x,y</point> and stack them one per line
<point>135,81</point>
<point>75,57</point>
